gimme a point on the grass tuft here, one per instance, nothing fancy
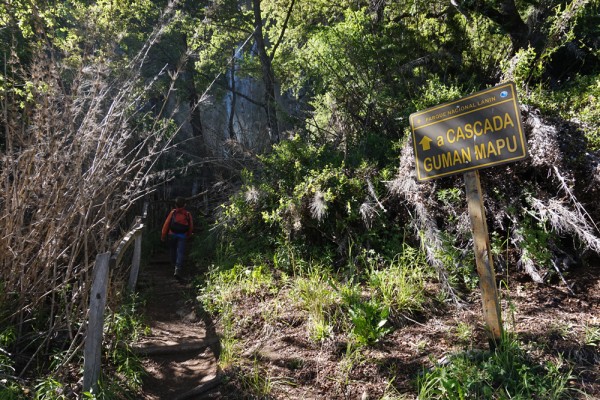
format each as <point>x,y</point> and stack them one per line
<point>506,373</point>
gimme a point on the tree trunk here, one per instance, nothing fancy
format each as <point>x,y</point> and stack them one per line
<point>505,14</point>
<point>267,72</point>
<point>193,99</point>
<point>188,78</point>
<point>233,98</point>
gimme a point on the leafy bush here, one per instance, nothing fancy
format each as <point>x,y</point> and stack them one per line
<point>369,321</point>
<point>11,390</point>
<point>123,371</point>
<point>9,386</point>
<point>577,100</point>
<point>523,67</point>
<point>459,261</point>
<point>49,389</point>
<point>306,198</point>
<point>69,130</point>
<point>435,92</point>
<point>535,241</point>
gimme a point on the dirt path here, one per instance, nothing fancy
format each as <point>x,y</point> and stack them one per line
<point>180,354</point>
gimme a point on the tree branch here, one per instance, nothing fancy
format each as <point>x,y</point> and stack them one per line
<point>242,95</point>
<point>285,23</point>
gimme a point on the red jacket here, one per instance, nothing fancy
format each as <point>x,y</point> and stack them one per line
<point>183,216</point>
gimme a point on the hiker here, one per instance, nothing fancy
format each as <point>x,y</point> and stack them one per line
<point>178,226</point>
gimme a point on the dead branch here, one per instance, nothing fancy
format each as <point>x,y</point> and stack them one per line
<point>417,198</point>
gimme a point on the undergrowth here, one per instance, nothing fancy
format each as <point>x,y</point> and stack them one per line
<point>361,307</point>
<point>360,311</point>
<point>504,373</point>
<point>578,101</point>
<point>121,372</point>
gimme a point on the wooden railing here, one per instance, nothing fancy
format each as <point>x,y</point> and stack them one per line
<point>104,262</point>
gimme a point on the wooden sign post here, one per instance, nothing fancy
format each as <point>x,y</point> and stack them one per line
<point>483,258</point>
<point>477,131</point>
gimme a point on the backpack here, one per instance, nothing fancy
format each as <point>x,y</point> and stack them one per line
<point>177,225</point>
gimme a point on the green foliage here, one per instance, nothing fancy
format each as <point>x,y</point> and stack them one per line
<point>230,347</point>
<point>214,44</point>
<point>464,333</point>
<point>394,290</point>
<point>505,373</point>
<point>10,389</point>
<point>121,372</point>
<point>573,95</point>
<point>306,199</point>
<point>315,296</point>
<point>360,71</point>
<point>49,389</point>
<point>332,54</point>
<point>523,67</point>
<point>400,286</point>
<point>256,381</point>
<point>485,49</point>
<point>369,321</point>
<point>121,329</point>
<point>224,286</point>
<point>591,335</point>
<point>450,196</point>
<point>459,263</point>
<point>577,100</point>
<point>220,292</point>
<point>434,92</point>
<point>126,325</point>
<point>536,240</point>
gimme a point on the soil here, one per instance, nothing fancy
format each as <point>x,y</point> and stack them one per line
<point>549,320</point>
<point>180,353</point>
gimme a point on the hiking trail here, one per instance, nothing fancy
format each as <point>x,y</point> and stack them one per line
<point>180,354</point>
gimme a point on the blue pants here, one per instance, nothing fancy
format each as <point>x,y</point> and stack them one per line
<point>177,250</point>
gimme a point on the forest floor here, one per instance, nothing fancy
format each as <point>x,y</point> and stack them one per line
<point>551,323</point>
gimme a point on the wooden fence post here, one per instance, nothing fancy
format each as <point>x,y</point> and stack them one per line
<point>483,258</point>
<point>135,263</point>
<point>92,352</point>
<point>93,340</point>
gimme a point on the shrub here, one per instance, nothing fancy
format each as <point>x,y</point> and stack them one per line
<point>577,100</point>
<point>72,164</point>
<point>308,198</point>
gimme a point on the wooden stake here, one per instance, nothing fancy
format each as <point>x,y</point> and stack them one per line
<point>135,263</point>
<point>483,258</point>
<point>93,339</point>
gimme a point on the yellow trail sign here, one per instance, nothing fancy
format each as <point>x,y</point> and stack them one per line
<point>477,131</point>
